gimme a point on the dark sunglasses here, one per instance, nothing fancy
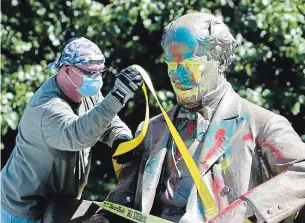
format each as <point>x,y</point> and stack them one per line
<point>93,73</point>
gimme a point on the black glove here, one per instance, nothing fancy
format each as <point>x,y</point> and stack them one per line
<point>126,83</point>
<point>123,158</point>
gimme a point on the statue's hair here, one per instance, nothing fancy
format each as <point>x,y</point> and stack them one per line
<point>214,38</point>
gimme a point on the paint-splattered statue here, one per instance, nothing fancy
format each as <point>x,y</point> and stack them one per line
<point>251,159</point>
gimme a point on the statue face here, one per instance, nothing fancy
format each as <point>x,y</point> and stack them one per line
<point>191,76</point>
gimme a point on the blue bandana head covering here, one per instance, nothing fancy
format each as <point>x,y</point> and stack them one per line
<point>80,51</point>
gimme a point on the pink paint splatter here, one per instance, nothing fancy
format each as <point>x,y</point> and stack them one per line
<point>275,150</point>
<point>217,186</point>
<point>176,53</point>
<point>226,210</point>
<point>239,201</point>
<point>249,191</point>
<point>233,205</point>
<point>219,136</point>
<point>190,127</point>
<point>261,185</point>
<point>202,165</point>
<point>153,151</point>
<point>111,195</point>
<point>205,165</point>
<point>248,137</point>
<point>165,195</point>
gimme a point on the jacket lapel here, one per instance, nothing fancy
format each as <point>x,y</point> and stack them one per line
<point>222,127</point>
<point>154,164</point>
<point>216,147</point>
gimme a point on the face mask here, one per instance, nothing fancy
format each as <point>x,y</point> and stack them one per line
<point>90,86</point>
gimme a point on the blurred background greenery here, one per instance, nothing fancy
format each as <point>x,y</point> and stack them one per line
<point>269,68</point>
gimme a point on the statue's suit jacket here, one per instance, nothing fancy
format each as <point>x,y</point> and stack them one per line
<point>259,155</point>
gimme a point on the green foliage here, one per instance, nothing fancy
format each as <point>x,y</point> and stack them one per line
<point>269,68</point>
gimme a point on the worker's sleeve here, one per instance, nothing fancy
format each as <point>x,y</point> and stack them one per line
<point>63,130</point>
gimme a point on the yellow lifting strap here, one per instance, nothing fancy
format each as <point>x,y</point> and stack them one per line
<point>132,144</point>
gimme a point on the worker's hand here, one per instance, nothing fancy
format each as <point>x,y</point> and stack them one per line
<point>126,83</point>
<point>123,158</point>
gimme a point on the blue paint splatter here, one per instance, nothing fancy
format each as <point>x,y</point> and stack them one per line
<point>229,128</point>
